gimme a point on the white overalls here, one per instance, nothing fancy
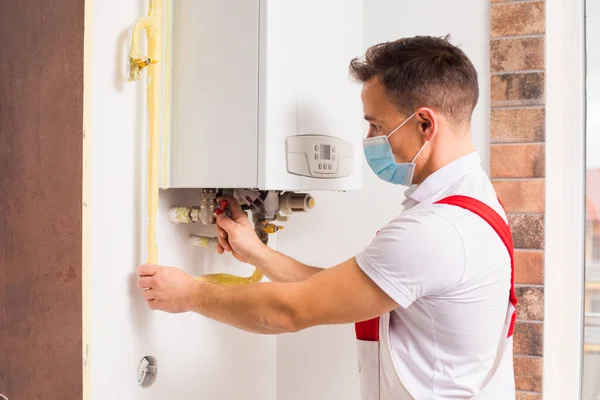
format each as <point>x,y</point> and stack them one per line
<point>379,379</point>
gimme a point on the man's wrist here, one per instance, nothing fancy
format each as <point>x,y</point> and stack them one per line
<point>261,257</point>
<point>197,292</point>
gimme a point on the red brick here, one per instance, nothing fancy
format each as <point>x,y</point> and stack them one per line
<point>521,196</point>
<point>513,19</point>
<point>527,230</point>
<point>531,303</point>
<point>528,396</point>
<point>516,54</point>
<point>517,125</point>
<point>517,161</point>
<point>528,373</point>
<point>529,339</point>
<point>529,267</point>
<point>517,89</point>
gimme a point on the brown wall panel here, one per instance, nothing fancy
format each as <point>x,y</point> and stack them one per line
<point>41,120</point>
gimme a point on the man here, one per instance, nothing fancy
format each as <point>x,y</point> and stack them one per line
<point>439,274</point>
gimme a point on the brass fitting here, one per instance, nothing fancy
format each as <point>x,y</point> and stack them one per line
<point>272,228</point>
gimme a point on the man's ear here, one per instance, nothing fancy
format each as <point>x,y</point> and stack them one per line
<point>428,122</point>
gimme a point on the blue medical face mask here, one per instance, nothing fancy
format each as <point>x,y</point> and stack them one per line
<point>381,159</point>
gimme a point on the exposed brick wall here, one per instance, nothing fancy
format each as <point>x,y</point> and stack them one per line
<point>517,157</point>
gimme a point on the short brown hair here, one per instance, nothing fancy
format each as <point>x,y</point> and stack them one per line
<point>423,71</point>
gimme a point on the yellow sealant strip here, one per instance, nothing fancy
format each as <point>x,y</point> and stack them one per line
<point>154,33</point>
<point>152,25</point>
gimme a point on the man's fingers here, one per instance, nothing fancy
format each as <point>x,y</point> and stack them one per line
<point>226,224</point>
<point>239,257</point>
<point>148,295</point>
<point>220,249</point>
<point>147,269</point>
<point>234,207</point>
<point>145,282</point>
<point>221,232</point>
<point>224,243</point>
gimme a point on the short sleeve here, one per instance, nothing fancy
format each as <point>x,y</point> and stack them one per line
<point>415,255</point>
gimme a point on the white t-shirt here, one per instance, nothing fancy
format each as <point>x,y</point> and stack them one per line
<point>450,273</point>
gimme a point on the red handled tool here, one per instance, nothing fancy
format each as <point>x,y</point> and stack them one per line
<point>222,207</point>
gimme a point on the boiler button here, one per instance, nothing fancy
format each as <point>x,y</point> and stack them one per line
<point>317,148</point>
<point>320,166</point>
<point>333,158</point>
<point>333,149</point>
<point>316,156</point>
<point>328,166</point>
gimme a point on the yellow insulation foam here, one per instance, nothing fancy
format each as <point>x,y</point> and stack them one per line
<point>228,279</point>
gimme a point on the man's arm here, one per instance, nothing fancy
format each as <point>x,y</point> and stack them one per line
<point>342,294</point>
<point>280,268</point>
<point>236,235</point>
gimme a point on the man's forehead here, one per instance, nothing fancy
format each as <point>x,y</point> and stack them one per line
<point>373,86</point>
<point>376,103</point>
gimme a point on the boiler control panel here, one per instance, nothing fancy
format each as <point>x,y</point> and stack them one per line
<point>319,156</point>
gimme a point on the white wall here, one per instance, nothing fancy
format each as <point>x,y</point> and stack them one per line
<point>593,84</point>
<point>565,199</point>
<point>197,358</point>
<point>320,363</point>
<point>200,358</point>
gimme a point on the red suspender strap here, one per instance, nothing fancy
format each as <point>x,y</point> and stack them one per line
<point>368,330</point>
<point>502,229</point>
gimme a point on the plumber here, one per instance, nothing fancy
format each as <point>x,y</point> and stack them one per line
<point>432,296</point>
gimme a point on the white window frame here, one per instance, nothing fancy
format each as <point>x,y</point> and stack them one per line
<point>565,198</point>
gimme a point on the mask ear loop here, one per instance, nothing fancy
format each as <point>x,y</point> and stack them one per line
<point>401,125</point>
<point>422,147</point>
<point>419,152</point>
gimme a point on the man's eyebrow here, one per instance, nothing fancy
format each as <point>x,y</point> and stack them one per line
<point>370,118</point>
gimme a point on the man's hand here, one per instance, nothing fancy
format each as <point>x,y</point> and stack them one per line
<point>166,288</point>
<point>237,235</point>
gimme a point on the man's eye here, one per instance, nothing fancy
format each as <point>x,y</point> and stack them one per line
<point>375,127</point>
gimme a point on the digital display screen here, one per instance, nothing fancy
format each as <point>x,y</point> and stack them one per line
<point>325,152</point>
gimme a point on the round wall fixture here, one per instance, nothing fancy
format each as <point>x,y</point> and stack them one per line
<point>146,372</point>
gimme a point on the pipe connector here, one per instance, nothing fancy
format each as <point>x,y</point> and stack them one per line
<point>208,204</point>
<point>290,202</point>
<point>272,228</point>
<point>206,213</point>
<point>203,241</point>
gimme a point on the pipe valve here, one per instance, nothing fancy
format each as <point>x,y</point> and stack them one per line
<point>290,202</point>
<point>272,228</point>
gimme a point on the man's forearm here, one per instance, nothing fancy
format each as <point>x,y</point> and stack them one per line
<point>260,308</point>
<point>281,268</point>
